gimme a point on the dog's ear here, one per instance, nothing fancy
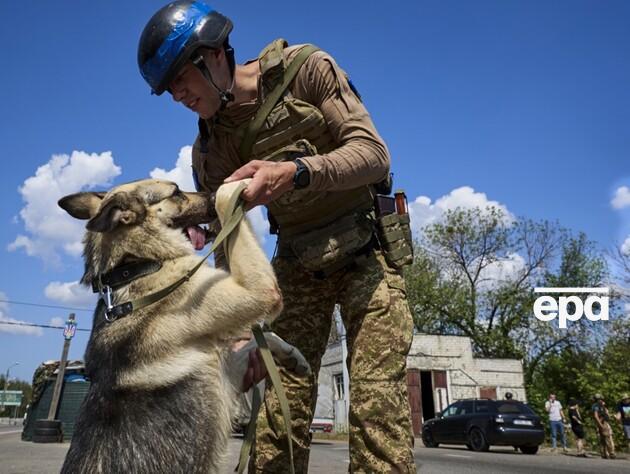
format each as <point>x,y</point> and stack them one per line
<point>81,205</point>
<point>120,209</point>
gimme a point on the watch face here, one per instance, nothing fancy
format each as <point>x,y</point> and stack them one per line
<point>302,176</point>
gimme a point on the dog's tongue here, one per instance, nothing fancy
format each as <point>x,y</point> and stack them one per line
<point>197,236</point>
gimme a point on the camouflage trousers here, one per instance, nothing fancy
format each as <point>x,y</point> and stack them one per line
<point>379,332</point>
<point>606,443</point>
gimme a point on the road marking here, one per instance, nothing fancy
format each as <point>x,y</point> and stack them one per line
<point>458,456</point>
<point>10,432</point>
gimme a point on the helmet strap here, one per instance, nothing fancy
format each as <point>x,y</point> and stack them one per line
<point>225,96</point>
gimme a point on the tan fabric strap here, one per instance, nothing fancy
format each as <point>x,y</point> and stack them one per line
<point>265,109</point>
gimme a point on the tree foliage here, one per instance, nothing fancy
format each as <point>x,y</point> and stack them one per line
<point>474,274</point>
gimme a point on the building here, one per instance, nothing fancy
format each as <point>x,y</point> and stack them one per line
<point>440,370</point>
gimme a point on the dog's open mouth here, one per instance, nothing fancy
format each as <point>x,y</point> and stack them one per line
<point>196,235</point>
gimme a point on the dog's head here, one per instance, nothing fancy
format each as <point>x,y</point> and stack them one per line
<point>143,219</point>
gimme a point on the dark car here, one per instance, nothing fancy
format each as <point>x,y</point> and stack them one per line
<point>482,423</point>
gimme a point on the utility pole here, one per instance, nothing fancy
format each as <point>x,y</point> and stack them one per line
<point>68,334</point>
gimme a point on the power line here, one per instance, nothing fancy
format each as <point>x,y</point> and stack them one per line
<point>12,323</point>
<point>46,305</point>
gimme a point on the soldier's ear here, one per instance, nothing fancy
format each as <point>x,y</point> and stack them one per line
<point>120,209</point>
<point>81,205</point>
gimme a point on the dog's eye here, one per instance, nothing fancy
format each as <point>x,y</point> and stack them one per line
<point>178,194</point>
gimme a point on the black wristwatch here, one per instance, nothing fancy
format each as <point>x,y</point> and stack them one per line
<point>302,176</point>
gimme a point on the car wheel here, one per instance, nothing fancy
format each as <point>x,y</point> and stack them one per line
<point>428,440</point>
<point>529,449</point>
<point>477,440</point>
<point>470,448</point>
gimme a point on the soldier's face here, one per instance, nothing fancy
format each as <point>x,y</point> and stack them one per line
<point>192,90</point>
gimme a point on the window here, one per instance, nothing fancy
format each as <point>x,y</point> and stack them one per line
<point>514,408</point>
<point>338,384</point>
<point>451,410</point>
<point>481,406</point>
<point>465,408</point>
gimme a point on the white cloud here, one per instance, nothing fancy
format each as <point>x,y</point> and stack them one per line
<point>48,228</point>
<point>625,247</point>
<point>182,173</point>
<point>506,270</point>
<point>423,212</point>
<point>12,328</point>
<point>622,198</point>
<point>70,293</point>
<point>57,321</point>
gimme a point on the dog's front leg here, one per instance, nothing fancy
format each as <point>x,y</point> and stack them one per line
<point>250,293</point>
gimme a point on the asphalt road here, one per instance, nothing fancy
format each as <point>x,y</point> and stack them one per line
<point>331,457</point>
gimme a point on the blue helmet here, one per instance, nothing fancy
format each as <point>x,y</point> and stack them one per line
<point>173,34</point>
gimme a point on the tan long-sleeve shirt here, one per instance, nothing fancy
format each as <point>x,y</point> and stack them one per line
<point>361,158</point>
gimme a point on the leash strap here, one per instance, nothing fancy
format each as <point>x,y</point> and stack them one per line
<point>250,434</point>
<point>274,375</point>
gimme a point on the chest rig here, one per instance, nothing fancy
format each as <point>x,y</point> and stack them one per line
<point>324,229</point>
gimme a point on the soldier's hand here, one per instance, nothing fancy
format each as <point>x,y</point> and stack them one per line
<point>269,180</point>
<point>256,370</point>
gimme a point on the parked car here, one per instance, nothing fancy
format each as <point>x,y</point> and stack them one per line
<point>481,423</point>
<point>321,425</point>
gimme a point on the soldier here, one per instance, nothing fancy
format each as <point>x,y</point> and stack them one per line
<point>602,420</point>
<point>623,415</point>
<point>293,122</point>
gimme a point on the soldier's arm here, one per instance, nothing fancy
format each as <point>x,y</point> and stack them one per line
<point>362,156</point>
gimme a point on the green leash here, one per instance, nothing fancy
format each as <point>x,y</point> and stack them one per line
<point>274,375</point>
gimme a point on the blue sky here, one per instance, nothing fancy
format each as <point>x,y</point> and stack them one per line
<point>522,103</point>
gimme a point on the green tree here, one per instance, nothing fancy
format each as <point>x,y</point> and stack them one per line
<point>474,273</point>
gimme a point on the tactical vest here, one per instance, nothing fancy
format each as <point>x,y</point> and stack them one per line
<point>295,128</point>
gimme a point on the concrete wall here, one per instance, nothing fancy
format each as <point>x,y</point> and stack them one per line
<point>466,374</point>
<point>331,365</point>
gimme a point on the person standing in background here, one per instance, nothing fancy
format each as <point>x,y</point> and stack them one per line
<point>556,421</point>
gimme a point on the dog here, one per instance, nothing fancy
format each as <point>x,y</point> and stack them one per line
<point>163,379</point>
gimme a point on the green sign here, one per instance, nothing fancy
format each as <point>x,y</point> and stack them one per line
<point>12,398</point>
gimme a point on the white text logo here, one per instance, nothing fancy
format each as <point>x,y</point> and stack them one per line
<point>546,308</point>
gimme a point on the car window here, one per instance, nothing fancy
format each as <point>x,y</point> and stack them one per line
<point>451,410</point>
<point>514,408</point>
<point>482,406</point>
<point>466,408</point>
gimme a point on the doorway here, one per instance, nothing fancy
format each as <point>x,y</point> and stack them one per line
<point>426,391</point>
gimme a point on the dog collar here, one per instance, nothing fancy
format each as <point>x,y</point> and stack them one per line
<point>118,277</point>
<point>125,274</point>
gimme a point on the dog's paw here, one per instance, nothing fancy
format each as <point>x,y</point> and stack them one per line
<point>223,196</point>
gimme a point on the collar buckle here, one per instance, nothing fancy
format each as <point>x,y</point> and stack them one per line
<point>105,293</point>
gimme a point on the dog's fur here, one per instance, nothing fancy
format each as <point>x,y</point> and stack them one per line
<point>163,378</point>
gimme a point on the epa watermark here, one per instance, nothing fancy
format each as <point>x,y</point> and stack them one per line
<point>571,308</point>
